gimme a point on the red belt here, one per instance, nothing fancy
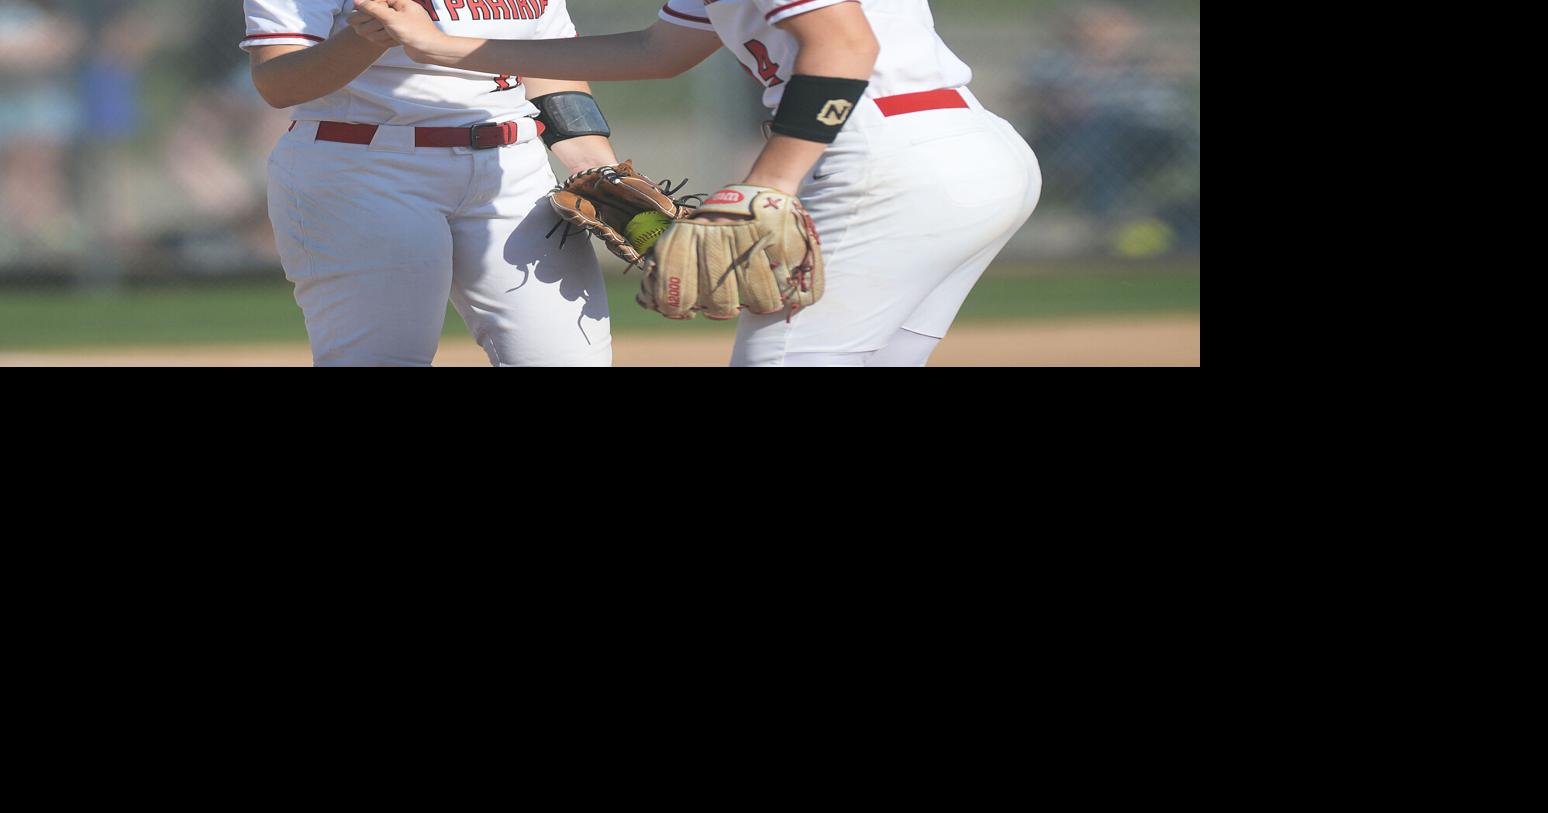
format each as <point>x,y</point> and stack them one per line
<point>920,102</point>
<point>479,137</point>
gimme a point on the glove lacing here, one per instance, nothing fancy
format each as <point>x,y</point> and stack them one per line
<point>613,176</point>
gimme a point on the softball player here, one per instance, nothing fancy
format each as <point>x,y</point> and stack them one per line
<point>401,185</point>
<point>914,186</point>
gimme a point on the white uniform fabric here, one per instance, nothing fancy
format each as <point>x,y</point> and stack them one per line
<point>399,91</point>
<point>378,238</point>
<point>912,209</point>
<point>913,57</point>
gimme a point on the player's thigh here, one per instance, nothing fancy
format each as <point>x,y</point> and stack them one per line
<point>1017,187</point>
<point>886,253</point>
<point>897,227</point>
<point>934,315</point>
<point>877,270</point>
<point>905,349</point>
<point>528,302</point>
<point>827,359</point>
<point>371,265</point>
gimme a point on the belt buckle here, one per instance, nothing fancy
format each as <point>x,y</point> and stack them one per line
<point>473,140</point>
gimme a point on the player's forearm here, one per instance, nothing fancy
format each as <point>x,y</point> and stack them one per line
<point>784,163</point>
<point>836,42</point>
<point>287,76</point>
<point>586,152</point>
<point>618,57</point>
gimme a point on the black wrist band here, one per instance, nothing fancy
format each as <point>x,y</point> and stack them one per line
<point>815,108</point>
<point>568,115</point>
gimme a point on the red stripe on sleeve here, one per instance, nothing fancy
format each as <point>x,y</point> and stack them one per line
<point>681,16</point>
<point>283,37</point>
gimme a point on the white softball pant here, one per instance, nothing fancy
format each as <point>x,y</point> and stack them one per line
<point>378,238</point>
<point>912,209</point>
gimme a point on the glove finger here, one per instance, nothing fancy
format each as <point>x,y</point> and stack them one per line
<point>632,194</point>
<point>585,195</point>
<point>719,293</point>
<point>573,207</point>
<point>765,281</point>
<point>793,271</point>
<point>623,193</point>
<point>624,251</point>
<point>616,242</point>
<point>583,212</point>
<point>672,277</point>
<point>809,270</point>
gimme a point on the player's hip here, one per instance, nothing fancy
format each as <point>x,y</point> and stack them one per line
<point>888,121</point>
<point>979,172</point>
<point>957,136</point>
<point>391,164</point>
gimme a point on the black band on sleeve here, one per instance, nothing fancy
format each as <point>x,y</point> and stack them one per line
<point>568,115</point>
<point>816,107</point>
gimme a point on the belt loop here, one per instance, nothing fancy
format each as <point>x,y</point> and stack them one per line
<point>527,130</point>
<point>394,140</point>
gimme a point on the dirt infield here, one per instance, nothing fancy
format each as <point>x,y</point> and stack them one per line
<point>1138,342</point>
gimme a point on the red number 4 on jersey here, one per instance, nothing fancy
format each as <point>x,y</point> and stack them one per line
<point>767,70</point>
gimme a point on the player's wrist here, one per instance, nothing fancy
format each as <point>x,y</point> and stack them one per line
<point>431,46</point>
<point>364,44</point>
<point>585,161</point>
<point>789,184</point>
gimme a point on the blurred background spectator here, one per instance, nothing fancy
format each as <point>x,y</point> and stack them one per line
<point>121,37</point>
<point>1114,115</point>
<point>40,43</point>
<point>133,144</point>
<point>217,151</point>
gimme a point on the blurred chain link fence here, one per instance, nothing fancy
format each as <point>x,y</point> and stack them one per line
<point>132,142</point>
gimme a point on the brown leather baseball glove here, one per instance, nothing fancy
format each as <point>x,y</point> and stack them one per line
<point>768,259</point>
<point>604,200</point>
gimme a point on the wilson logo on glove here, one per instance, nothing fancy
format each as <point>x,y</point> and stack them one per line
<point>727,196</point>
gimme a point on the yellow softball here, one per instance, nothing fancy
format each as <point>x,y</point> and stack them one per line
<point>646,227</point>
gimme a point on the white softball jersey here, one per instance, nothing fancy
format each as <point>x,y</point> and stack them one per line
<point>399,91</point>
<point>914,59</point>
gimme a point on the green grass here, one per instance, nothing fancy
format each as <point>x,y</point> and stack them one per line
<point>252,312</point>
<point>1002,296</point>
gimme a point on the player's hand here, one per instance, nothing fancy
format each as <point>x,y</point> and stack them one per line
<point>405,21</point>
<point>372,30</point>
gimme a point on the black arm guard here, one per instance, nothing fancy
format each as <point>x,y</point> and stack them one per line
<point>568,115</point>
<point>816,107</point>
